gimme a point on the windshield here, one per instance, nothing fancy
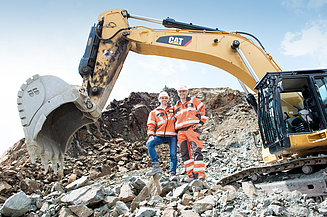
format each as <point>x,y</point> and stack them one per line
<point>322,88</point>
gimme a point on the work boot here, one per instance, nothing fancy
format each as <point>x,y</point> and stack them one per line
<point>155,169</point>
<point>173,177</point>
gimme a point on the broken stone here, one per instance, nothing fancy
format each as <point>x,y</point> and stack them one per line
<point>94,174</point>
<point>151,189</point>
<point>169,213</point>
<point>4,187</point>
<point>66,212</point>
<point>78,172</point>
<point>30,186</point>
<point>228,196</point>
<point>72,178</point>
<point>44,207</point>
<point>138,184</point>
<point>189,213</point>
<point>198,195</point>
<point>86,195</point>
<point>81,210</point>
<point>57,187</point>
<point>120,209</point>
<point>98,212</point>
<point>16,205</point>
<point>78,183</point>
<point>111,200</point>
<point>186,199</point>
<point>206,203</point>
<point>180,190</point>
<point>146,212</point>
<point>249,189</point>
<point>126,193</point>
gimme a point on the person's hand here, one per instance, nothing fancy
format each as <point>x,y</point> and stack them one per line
<point>196,126</point>
<point>150,138</point>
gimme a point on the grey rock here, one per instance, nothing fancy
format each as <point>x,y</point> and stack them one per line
<point>111,200</point>
<point>101,211</point>
<point>249,189</point>
<point>78,183</point>
<point>322,211</point>
<point>121,209</point>
<point>189,213</point>
<point>126,193</point>
<point>108,191</point>
<point>66,212</point>
<point>57,187</point>
<point>4,187</point>
<point>138,183</point>
<point>204,204</point>
<point>86,195</point>
<point>274,210</point>
<point>297,210</point>
<point>146,212</point>
<point>169,213</point>
<point>180,190</point>
<point>81,210</point>
<point>16,205</point>
<point>168,187</point>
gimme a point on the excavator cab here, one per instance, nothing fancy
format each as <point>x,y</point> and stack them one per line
<point>292,111</point>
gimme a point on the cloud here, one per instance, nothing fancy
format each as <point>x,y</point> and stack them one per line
<point>297,4</point>
<point>312,40</point>
<point>316,4</point>
<point>293,3</point>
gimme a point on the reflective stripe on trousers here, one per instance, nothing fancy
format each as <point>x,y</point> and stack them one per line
<point>189,141</point>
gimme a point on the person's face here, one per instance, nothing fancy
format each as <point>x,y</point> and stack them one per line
<point>182,94</point>
<point>163,100</point>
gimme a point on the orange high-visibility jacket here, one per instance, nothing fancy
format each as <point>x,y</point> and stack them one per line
<point>191,112</point>
<point>164,120</point>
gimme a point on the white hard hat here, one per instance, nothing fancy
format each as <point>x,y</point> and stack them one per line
<point>163,93</point>
<point>182,87</point>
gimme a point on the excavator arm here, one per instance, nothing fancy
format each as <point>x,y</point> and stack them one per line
<point>51,110</point>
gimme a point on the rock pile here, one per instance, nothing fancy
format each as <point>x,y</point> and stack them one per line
<point>137,196</point>
<point>105,166</point>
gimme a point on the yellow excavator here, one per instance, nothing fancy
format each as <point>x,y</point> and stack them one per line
<point>290,106</point>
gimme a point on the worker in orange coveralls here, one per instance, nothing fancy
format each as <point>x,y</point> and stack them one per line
<point>190,114</point>
<point>163,119</point>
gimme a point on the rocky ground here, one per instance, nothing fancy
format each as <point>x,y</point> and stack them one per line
<point>105,166</point>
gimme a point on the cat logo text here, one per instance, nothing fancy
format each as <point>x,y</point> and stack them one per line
<point>179,40</point>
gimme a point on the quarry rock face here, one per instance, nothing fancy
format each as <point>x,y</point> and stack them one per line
<point>104,172</point>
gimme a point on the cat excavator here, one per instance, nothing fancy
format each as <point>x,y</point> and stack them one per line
<point>291,106</point>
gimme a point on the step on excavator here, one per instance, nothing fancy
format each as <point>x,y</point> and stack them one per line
<point>290,106</point>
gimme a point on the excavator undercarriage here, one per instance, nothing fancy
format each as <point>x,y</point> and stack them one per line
<point>313,187</point>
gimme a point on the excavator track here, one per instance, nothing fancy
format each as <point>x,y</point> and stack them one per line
<point>312,187</point>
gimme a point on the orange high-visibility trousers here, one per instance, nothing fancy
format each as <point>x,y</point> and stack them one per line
<point>189,141</point>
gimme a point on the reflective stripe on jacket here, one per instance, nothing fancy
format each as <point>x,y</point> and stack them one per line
<point>164,120</point>
<point>189,113</point>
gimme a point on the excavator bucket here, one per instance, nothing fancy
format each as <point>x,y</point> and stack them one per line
<point>51,111</point>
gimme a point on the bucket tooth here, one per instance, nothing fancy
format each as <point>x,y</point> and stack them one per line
<point>51,111</point>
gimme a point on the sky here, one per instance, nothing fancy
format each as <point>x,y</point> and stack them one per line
<point>49,38</point>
